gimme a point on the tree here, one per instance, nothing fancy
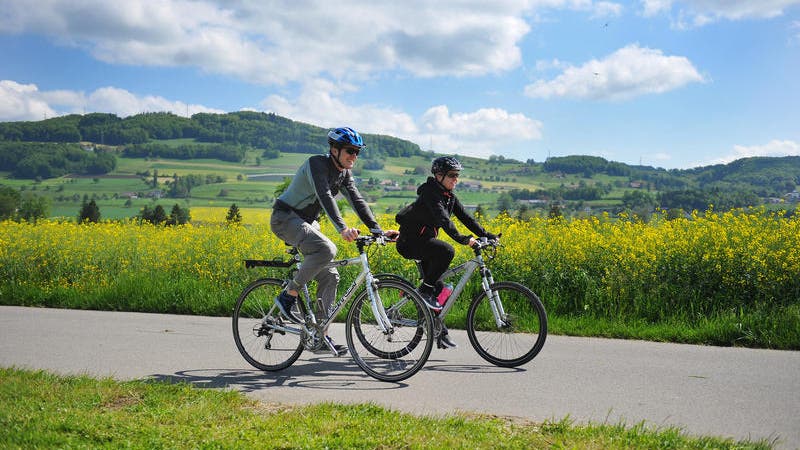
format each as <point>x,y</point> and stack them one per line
<point>504,202</point>
<point>9,202</point>
<point>522,212</point>
<point>89,212</point>
<point>33,207</point>
<point>234,217</point>
<point>156,215</point>
<point>555,211</point>
<point>178,216</point>
<point>159,215</point>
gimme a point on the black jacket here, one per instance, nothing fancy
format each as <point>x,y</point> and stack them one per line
<point>431,211</point>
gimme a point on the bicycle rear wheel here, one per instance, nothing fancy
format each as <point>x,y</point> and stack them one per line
<point>402,351</point>
<point>260,331</point>
<point>523,329</point>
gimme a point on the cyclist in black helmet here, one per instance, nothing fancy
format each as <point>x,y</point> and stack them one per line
<point>294,217</point>
<point>420,223</point>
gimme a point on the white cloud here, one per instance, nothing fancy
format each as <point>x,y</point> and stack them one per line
<point>655,7</point>
<point>275,42</point>
<point>696,13</point>
<point>607,9</point>
<point>629,72</point>
<point>794,32</point>
<point>479,133</point>
<point>22,102</point>
<point>27,102</point>
<point>774,147</point>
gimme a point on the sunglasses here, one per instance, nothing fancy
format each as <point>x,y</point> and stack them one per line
<point>452,175</point>
<point>352,150</point>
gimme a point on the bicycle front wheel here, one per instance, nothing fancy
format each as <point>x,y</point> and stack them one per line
<point>260,332</point>
<point>400,351</point>
<point>522,329</point>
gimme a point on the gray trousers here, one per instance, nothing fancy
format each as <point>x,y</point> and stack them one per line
<point>317,250</point>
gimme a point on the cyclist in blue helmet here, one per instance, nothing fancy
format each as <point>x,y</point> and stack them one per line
<point>296,212</point>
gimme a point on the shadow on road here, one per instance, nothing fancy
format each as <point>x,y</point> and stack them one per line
<point>316,373</point>
<point>441,365</point>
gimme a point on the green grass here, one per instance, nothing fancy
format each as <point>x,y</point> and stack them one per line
<point>42,410</point>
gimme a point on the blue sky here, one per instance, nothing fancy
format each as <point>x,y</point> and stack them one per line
<point>666,83</point>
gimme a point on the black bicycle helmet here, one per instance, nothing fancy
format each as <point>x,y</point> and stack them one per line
<point>341,136</point>
<point>444,164</point>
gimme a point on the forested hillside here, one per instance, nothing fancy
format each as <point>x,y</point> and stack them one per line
<point>244,128</point>
<point>210,157</point>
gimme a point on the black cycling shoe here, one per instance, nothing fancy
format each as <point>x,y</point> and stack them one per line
<point>444,341</point>
<point>426,292</point>
<point>285,302</point>
<point>431,302</point>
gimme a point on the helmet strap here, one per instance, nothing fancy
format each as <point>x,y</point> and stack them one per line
<point>440,182</point>
<point>335,159</point>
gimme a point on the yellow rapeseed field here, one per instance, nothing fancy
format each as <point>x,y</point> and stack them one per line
<point>701,266</point>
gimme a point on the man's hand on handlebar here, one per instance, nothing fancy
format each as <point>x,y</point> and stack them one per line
<point>349,234</point>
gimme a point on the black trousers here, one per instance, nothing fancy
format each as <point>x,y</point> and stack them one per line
<point>435,255</point>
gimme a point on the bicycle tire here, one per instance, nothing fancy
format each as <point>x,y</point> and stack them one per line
<point>254,328</point>
<point>399,355</point>
<point>394,312</point>
<point>523,333</point>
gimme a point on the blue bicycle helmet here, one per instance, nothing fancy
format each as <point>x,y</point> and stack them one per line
<point>345,136</point>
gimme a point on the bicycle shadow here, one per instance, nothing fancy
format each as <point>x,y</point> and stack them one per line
<point>439,365</point>
<point>318,372</point>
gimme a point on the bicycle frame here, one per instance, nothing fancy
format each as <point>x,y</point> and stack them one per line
<point>364,277</point>
<point>468,268</point>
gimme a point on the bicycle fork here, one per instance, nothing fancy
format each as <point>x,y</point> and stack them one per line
<point>494,298</point>
<point>377,305</point>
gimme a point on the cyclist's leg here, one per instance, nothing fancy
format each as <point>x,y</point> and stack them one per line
<point>316,248</point>
<point>435,256</point>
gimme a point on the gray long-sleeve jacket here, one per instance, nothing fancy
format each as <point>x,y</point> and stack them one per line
<point>314,187</point>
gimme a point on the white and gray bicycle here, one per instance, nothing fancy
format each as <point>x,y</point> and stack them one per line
<point>389,328</point>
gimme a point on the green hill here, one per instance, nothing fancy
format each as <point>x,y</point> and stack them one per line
<point>219,159</point>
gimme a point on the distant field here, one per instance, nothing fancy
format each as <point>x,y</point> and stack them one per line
<point>252,183</point>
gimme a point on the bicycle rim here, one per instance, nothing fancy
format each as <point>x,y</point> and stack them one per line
<point>401,353</point>
<point>257,328</point>
<point>522,333</point>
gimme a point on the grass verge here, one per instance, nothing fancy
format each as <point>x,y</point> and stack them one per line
<point>42,410</point>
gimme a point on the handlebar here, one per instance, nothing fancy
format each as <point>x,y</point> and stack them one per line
<point>375,238</point>
<point>483,243</point>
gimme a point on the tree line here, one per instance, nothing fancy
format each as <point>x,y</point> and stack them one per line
<point>48,160</point>
<point>266,131</point>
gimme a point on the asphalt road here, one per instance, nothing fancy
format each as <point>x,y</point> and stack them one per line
<point>729,392</point>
